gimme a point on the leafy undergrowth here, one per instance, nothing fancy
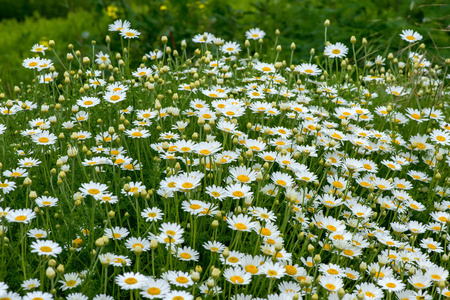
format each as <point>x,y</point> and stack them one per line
<point>231,174</point>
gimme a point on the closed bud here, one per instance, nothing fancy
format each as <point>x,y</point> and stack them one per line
<point>215,273</point>
<point>50,273</point>
<point>226,252</point>
<point>317,258</point>
<point>215,224</point>
<point>278,247</point>
<point>153,244</point>
<point>195,276</point>
<point>52,263</point>
<point>27,181</point>
<point>210,283</point>
<point>137,250</point>
<point>60,269</point>
<point>33,195</point>
<point>363,266</point>
<point>99,242</point>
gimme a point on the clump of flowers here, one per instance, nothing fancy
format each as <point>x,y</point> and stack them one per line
<point>229,174</point>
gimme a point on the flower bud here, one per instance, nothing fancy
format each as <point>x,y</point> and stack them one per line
<point>60,269</point>
<point>50,273</point>
<point>195,276</point>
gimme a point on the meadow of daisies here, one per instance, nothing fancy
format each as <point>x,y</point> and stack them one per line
<point>226,173</point>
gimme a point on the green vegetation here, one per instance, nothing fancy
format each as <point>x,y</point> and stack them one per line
<point>79,22</point>
<point>221,169</point>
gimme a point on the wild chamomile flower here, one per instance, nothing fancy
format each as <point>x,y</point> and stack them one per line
<point>102,58</point>
<point>49,248</point>
<point>31,63</point>
<point>118,25</point>
<point>337,50</point>
<point>87,102</point>
<point>70,281</point>
<point>130,280</point>
<point>133,242</point>
<point>37,48</point>
<point>44,138</point>
<point>241,223</point>
<point>77,296</point>
<point>331,283</point>
<point>93,189</point>
<point>237,191</point>
<point>308,69</point>
<point>255,34</point>
<point>117,233</point>
<point>46,201</point>
<point>37,233</point>
<point>230,48</point>
<point>187,254</point>
<point>115,96</point>
<point>155,288</point>
<point>137,133</point>
<point>410,36</point>
<point>128,33</point>
<point>16,173</point>
<point>264,67</point>
<point>152,214</point>
<point>237,276</point>
<point>30,284</point>
<point>178,295</point>
<point>205,38</point>
<point>214,246</point>
<point>179,278</point>
<point>38,296</point>
<point>21,216</point>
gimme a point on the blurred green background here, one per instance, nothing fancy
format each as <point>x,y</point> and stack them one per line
<point>26,22</point>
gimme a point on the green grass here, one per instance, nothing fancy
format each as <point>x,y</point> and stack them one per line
<point>18,37</point>
<point>301,21</point>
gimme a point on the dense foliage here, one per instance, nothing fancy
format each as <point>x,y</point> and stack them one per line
<point>232,172</point>
<point>78,22</point>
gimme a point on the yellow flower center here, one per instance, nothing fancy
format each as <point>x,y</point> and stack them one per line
<point>240,226</point>
<point>46,249</point>
<point>237,279</point>
<point>243,178</point>
<point>182,279</point>
<point>238,194</point>
<point>21,218</point>
<point>154,291</point>
<point>131,280</point>
<point>187,185</point>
